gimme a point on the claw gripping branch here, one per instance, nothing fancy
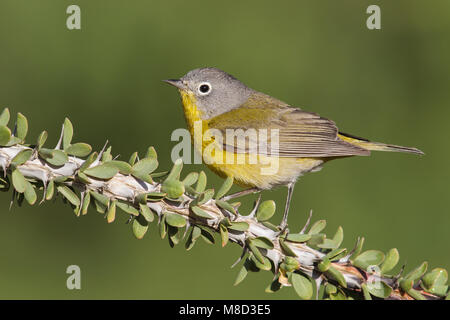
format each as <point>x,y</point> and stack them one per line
<point>313,264</point>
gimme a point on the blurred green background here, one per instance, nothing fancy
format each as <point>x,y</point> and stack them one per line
<point>389,85</point>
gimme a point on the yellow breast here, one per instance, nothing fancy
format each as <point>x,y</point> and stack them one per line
<point>245,172</point>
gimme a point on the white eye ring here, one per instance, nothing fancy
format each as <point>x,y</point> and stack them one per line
<point>204,86</point>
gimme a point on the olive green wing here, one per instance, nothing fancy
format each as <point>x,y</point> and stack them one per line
<point>266,126</point>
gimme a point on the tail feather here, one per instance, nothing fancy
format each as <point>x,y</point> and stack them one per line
<point>377,146</point>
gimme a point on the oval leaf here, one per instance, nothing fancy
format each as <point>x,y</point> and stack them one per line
<point>266,210</point>
<point>302,286</point>
<point>102,171</point>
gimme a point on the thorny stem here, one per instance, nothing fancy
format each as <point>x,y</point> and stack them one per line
<point>127,188</point>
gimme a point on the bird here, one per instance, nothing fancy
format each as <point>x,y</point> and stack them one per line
<point>294,141</point>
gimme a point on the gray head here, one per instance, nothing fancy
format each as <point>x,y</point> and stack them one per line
<point>216,91</point>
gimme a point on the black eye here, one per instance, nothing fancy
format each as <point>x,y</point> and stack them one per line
<point>204,88</point>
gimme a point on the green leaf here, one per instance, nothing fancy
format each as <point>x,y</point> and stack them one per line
<point>19,181</point>
<point>266,210</point>
<point>22,126</point>
<point>128,208</point>
<point>133,158</point>
<point>176,170</point>
<point>223,234</point>
<point>239,226</point>
<point>226,186</point>
<point>193,236</point>
<point>90,160</point>
<point>50,190</point>
<point>207,236</point>
<point>5,135</point>
<point>262,242</point>
<point>330,289</point>
<point>103,171</point>
<point>151,153</point>
<point>146,212</point>
<point>175,220</point>
<point>190,179</point>
<point>200,212</point>
<point>391,260</point>
<point>173,188</point>
<point>69,195</point>
<point>140,227</point>
<point>205,196</point>
<point>316,239</point>
<point>83,178</point>
<point>21,157</point>
<point>104,200</point>
<point>30,194</point>
<point>41,139</point>
<point>379,289</point>
<point>145,166</point>
<point>335,274</point>
<point>54,157</point>
<point>79,149</point>
<point>369,258</point>
<point>288,251</point>
<point>415,294</point>
<point>86,202</point>
<point>274,286</point>
<point>201,182</point>
<point>111,214</point>
<point>435,282</point>
<point>255,251</point>
<point>106,156</point>
<point>174,235</point>
<point>225,206</point>
<point>358,249</point>
<point>163,227</point>
<point>124,167</point>
<point>418,272</point>
<point>338,236</point>
<point>67,133</point>
<point>298,237</point>
<point>4,117</point>
<point>317,227</point>
<point>366,292</point>
<point>302,286</point>
<point>241,275</point>
<point>266,265</point>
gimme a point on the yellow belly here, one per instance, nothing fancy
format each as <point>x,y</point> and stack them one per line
<point>264,173</point>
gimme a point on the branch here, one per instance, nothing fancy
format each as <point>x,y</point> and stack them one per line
<point>314,265</point>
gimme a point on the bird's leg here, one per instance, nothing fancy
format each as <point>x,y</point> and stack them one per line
<point>283,225</point>
<point>241,193</point>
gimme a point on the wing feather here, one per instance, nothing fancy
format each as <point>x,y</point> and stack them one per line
<point>300,134</point>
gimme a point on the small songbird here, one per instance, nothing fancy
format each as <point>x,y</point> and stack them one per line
<point>221,105</point>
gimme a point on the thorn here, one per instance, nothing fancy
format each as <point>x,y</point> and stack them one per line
<point>58,145</point>
<point>12,199</point>
<point>307,222</point>
<point>82,194</point>
<point>318,280</point>
<point>255,207</point>
<point>100,154</point>
<point>398,276</point>
<point>244,252</point>
<point>347,257</point>
<point>188,224</point>
<point>45,193</point>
